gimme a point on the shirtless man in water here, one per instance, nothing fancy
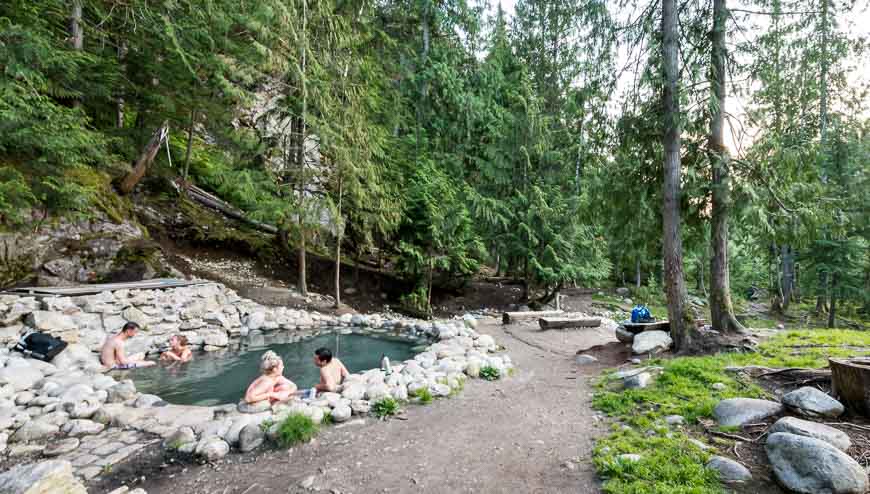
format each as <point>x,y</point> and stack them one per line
<point>112,354</point>
<point>272,385</point>
<point>332,371</point>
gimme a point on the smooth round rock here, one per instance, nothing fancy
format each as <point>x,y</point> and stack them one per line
<point>729,470</point>
<point>63,446</point>
<point>812,466</point>
<point>812,402</point>
<point>738,411</point>
<point>793,425</point>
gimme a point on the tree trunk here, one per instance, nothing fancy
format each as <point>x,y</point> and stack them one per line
<point>832,314</point>
<point>637,275</point>
<point>303,284</point>
<point>119,101</point>
<point>76,35</point>
<point>682,325</point>
<point>721,308</point>
<point>787,279</point>
<point>338,231</point>
<point>141,167</point>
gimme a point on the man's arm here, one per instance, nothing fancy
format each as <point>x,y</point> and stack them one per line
<point>120,358</point>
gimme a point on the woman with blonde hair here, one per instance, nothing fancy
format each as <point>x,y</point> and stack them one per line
<point>178,349</point>
<point>272,385</point>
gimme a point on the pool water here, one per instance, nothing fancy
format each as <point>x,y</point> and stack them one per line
<point>213,379</point>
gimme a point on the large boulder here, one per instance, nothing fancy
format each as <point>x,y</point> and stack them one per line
<point>20,378</point>
<point>812,466</point>
<point>251,437</point>
<point>729,470</point>
<point>212,448</point>
<point>52,476</point>
<point>121,392</point>
<point>812,402</point>
<point>651,342</point>
<point>793,425</point>
<point>50,322</point>
<point>34,430</point>
<point>738,411</point>
<point>624,335</point>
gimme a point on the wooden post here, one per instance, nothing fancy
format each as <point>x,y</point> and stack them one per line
<point>131,179</point>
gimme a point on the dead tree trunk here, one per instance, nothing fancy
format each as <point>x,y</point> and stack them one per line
<point>832,314</point>
<point>682,325</point>
<point>721,308</point>
<point>338,231</point>
<point>144,161</point>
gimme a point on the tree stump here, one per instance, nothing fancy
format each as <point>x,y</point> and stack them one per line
<point>850,379</point>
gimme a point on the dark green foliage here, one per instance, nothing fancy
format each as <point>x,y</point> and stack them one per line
<point>385,407</point>
<point>489,373</point>
<point>296,428</point>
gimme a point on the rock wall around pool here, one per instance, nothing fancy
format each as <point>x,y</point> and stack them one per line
<point>210,315</point>
<point>71,410</point>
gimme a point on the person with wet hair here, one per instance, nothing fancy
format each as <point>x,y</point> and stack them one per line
<point>112,354</point>
<point>178,350</point>
<point>332,371</point>
<point>271,385</point>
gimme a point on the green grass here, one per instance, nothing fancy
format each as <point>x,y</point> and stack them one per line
<point>684,387</point>
<point>385,407</point>
<point>423,395</point>
<point>296,428</point>
<point>668,465</point>
<point>489,373</point>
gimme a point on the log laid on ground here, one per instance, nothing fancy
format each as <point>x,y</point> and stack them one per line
<point>131,179</point>
<point>511,317</point>
<point>569,322</point>
<point>850,382</point>
<point>214,202</point>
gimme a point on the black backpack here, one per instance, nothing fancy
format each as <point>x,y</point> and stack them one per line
<point>40,346</point>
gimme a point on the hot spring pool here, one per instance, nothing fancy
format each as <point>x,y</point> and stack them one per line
<point>223,377</point>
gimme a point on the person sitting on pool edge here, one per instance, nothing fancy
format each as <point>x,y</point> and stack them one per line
<point>332,371</point>
<point>112,354</point>
<point>272,385</point>
<point>178,350</point>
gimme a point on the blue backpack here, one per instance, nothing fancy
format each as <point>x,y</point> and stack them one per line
<point>640,314</point>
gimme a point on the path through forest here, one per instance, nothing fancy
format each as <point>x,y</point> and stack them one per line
<point>532,433</point>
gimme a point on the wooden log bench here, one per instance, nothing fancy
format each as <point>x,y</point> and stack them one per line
<point>512,317</point>
<point>569,322</point>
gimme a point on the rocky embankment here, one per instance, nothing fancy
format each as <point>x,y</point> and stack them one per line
<point>73,411</point>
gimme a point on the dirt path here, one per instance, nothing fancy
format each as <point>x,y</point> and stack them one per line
<point>529,433</point>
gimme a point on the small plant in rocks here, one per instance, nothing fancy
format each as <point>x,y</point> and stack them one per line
<point>385,407</point>
<point>489,373</point>
<point>423,396</point>
<point>296,428</point>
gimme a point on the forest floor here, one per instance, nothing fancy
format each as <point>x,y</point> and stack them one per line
<point>531,432</point>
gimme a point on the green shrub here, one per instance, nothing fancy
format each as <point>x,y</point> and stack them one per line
<point>296,428</point>
<point>489,373</point>
<point>423,395</point>
<point>385,407</point>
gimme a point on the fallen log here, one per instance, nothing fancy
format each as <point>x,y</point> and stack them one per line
<point>569,322</point>
<point>213,202</point>
<point>512,317</point>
